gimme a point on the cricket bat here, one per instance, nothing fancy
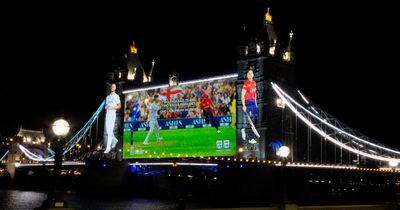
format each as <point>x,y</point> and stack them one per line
<point>253,128</point>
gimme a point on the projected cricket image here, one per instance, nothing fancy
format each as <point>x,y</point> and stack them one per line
<point>192,119</point>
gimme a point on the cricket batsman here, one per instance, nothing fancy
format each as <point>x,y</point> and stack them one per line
<point>249,101</point>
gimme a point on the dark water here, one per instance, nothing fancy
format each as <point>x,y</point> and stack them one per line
<point>16,199</point>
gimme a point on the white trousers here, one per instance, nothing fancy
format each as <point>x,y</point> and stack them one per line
<point>110,122</point>
<point>153,124</point>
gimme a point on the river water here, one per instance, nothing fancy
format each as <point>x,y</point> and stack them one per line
<point>16,199</point>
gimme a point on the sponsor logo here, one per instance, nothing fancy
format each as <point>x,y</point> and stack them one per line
<point>219,144</point>
<point>226,144</point>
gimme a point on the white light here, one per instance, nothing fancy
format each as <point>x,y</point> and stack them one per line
<point>240,149</point>
<point>210,79</point>
<point>314,110</point>
<point>393,163</point>
<point>320,132</point>
<point>17,165</point>
<point>280,103</point>
<point>272,51</point>
<point>60,127</point>
<point>170,163</point>
<point>283,152</point>
<point>258,49</point>
<point>182,83</point>
<point>131,75</point>
<point>129,97</point>
<point>303,97</point>
<point>144,89</point>
<point>328,124</point>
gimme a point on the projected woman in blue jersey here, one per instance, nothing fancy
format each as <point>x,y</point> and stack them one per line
<point>134,117</point>
<point>154,107</point>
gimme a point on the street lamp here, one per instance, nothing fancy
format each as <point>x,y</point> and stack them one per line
<point>393,163</point>
<point>54,197</point>
<point>61,127</point>
<point>283,152</point>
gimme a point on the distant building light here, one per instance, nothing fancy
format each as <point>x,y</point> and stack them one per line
<point>258,49</point>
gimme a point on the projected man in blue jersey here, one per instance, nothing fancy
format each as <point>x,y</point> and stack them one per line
<point>113,103</point>
<point>134,117</point>
<point>154,106</point>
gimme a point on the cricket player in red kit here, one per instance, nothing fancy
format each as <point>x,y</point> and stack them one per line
<point>206,105</point>
<point>249,97</point>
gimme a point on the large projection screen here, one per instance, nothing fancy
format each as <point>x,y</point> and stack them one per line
<point>196,118</point>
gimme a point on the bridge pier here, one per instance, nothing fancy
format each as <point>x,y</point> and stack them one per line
<point>13,157</point>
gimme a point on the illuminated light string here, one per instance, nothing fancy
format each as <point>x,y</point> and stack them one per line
<point>85,128</point>
<point>173,164</point>
<point>183,83</point>
<point>31,155</point>
<point>303,97</point>
<point>76,138</point>
<point>5,154</point>
<point>66,163</point>
<point>330,125</point>
<point>335,141</point>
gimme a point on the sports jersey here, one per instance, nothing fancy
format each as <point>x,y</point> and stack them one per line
<point>251,88</point>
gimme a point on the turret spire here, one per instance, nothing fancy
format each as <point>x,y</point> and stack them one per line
<point>288,55</point>
<point>268,17</point>
<point>271,32</point>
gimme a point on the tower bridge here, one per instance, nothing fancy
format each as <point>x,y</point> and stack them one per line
<point>317,141</point>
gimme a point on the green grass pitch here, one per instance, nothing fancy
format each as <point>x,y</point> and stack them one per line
<point>181,143</point>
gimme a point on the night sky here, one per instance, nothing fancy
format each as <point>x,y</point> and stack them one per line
<point>55,55</point>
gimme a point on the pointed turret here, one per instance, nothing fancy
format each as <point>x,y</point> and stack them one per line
<point>288,54</point>
<point>151,70</point>
<point>271,32</point>
<point>148,78</point>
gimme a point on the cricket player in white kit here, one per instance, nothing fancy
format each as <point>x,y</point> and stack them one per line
<point>154,106</point>
<point>113,103</point>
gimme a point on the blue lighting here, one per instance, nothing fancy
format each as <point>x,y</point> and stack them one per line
<point>104,165</point>
<point>241,166</point>
<point>134,168</point>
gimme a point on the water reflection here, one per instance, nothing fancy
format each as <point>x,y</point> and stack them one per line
<point>15,199</point>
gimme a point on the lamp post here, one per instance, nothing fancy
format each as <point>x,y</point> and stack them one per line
<point>55,197</point>
<point>283,152</point>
